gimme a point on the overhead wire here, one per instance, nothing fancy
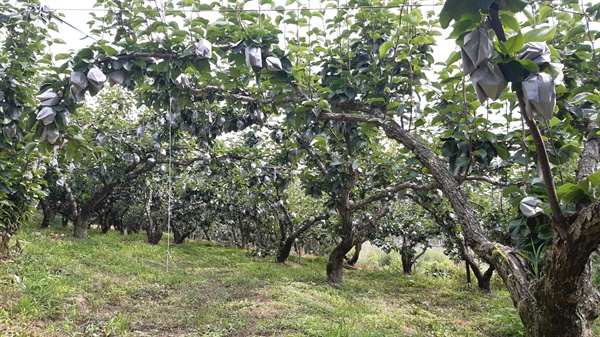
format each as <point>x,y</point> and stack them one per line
<point>233,10</point>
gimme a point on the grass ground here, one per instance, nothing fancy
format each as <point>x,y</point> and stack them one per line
<point>114,285</point>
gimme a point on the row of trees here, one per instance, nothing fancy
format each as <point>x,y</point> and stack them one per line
<point>275,127</point>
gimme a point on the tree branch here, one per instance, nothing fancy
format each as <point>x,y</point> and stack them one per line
<point>311,153</point>
<point>493,182</point>
<point>381,195</point>
<point>374,221</point>
<point>558,218</point>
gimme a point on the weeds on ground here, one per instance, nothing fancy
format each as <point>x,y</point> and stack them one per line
<point>114,285</point>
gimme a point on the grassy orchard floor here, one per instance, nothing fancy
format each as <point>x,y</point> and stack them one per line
<point>117,285</point>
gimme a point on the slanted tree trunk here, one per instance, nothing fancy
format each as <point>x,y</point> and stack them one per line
<point>357,248</point>
<point>285,248</point>
<point>205,231</point>
<point>80,226</point>
<point>483,279</point>
<point>285,245</point>
<point>179,235</point>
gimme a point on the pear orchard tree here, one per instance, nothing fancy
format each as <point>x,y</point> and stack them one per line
<point>351,64</point>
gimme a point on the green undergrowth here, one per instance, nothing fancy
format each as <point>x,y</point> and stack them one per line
<point>115,285</point>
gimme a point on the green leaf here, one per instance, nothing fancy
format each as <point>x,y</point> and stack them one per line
<point>515,6</point>
<point>384,48</point>
<point>530,66</point>
<point>507,191</point>
<point>410,18</point>
<point>502,152</point>
<point>514,43</point>
<point>183,100</point>
<point>574,32</point>
<point>570,193</point>
<point>510,22</point>
<point>554,122</point>
<point>355,165</point>
<point>461,27</point>
<point>453,58</point>
<point>484,4</point>
<point>540,34</point>
<point>445,20</point>
<point>85,54</point>
<point>29,147</point>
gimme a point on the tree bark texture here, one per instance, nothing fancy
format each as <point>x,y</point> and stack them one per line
<point>335,265</point>
<point>590,157</point>
<point>80,227</point>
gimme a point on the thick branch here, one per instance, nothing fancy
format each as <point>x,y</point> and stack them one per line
<point>306,224</point>
<point>312,154</point>
<point>373,222</point>
<point>492,182</point>
<point>558,219</point>
<point>384,194</point>
<point>590,156</point>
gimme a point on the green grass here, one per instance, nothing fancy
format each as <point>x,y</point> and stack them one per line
<point>114,285</point>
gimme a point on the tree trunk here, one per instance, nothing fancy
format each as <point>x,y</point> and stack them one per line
<point>357,248</point>
<point>180,236</point>
<point>408,259</point>
<point>551,313</point>
<point>153,235</point>
<point>4,238</point>
<point>205,231</point>
<point>104,220</point>
<point>65,221</point>
<point>285,248</point>
<point>335,265</point>
<point>80,228</point>
<point>484,282</point>
<point>49,215</point>
<point>483,279</point>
